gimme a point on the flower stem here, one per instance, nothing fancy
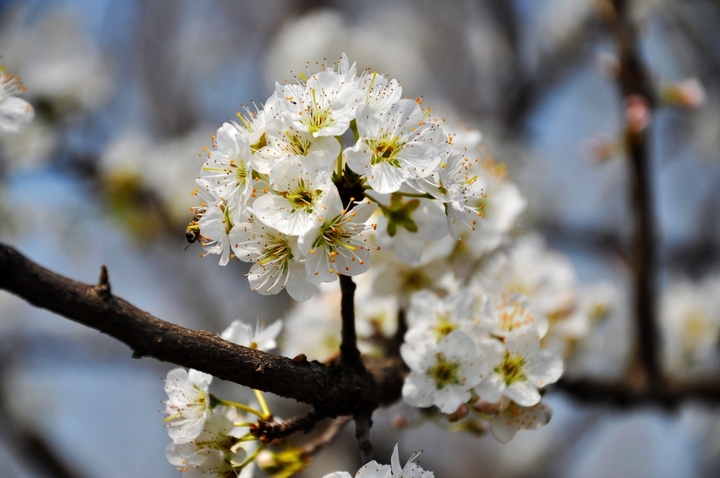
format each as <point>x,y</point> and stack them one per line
<point>339,160</point>
<point>263,404</point>
<point>240,406</point>
<point>375,201</point>
<point>252,457</point>
<point>403,194</point>
<point>414,195</point>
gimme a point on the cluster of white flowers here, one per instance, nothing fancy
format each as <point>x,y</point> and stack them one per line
<point>15,113</point>
<point>375,470</point>
<point>205,440</point>
<point>293,188</point>
<point>460,352</point>
<point>337,166</point>
<point>209,436</point>
<point>486,332</point>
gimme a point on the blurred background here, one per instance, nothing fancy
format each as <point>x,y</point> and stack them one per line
<point>126,95</point>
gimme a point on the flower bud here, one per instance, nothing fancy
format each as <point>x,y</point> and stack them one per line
<point>458,414</point>
<point>688,93</point>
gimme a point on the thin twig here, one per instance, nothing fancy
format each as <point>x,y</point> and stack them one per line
<point>269,430</point>
<point>333,430</point>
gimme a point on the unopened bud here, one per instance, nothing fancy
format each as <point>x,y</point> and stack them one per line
<point>265,460</point>
<point>400,422</point>
<point>458,414</point>
<point>688,93</point>
<point>637,114</point>
<point>488,408</point>
<point>601,148</point>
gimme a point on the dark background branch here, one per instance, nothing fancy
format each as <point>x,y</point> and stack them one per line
<point>633,80</point>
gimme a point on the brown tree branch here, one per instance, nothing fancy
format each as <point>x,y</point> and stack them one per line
<point>332,390</point>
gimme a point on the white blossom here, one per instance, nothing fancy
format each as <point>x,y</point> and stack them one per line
<point>380,92</point>
<point>254,123</point>
<point>460,184</point>
<point>298,187</point>
<point>324,106</point>
<point>432,318</point>
<point>62,63</point>
<point>282,141</point>
<point>515,418</point>
<point>321,314</point>
<point>394,145</point>
<point>227,172</point>
<point>374,470</point>
<point>411,468</point>
<point>394,470</point>
<point>501,205</point>
<point>441,374</point>
<point>15,113</point>
<point>524,368</point>
<point>277,260</point>
<point>339,246</point>
<point>504,313</point>
<point>482,204</point>
<point>545,277</point>
<point>258,337</point>
<point>690,324</point>
<point>135,161</point>
<point>216,451</point>
<point>391,276</point>
<point>374,314</point>
<point>188,403</point>
<point>215,226</point>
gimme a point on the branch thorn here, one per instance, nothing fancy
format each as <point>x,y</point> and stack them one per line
<point>103,286</point>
